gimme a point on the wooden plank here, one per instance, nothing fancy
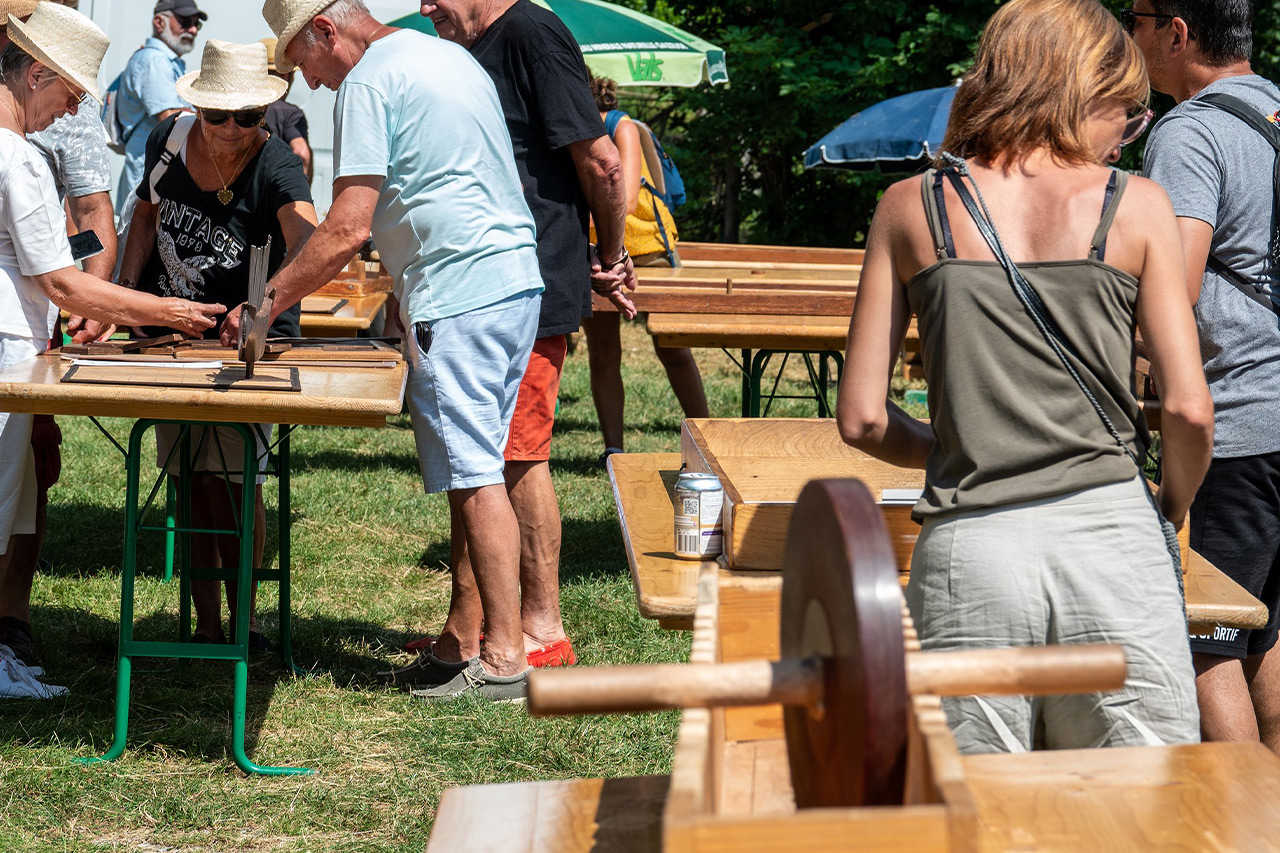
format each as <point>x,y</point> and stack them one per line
<point>228,377</point>
<point>322,304</point>
<point>919,829</point>
<point>354,317</point>
<point>840,278</point>
<point>329,396</point>
<point>696,763</point>
<point>665,585</point>
<point>807,302</point>
<point>1214,600</point>
<point>738,331</point>
<point>749,630</point>
<point>563,816</point>
<point>699,251</point>
<point>757,780</point>
<point>1214,796</point>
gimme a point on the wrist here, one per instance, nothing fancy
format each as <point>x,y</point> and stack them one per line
<point>622,259</point>
<point>126,283</point>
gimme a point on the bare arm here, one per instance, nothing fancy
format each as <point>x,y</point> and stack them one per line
<point>81,293</point>
<point>322,257</point>
<point>600,174</point>
<point>141,241</point>
<point>164,114</point>
<point>866,418</point>
<point>303,150</point>
<point>627,137</point>
<point>1197,235</point>
<point>94,213</point>
<point>1169,330</point>
<point>298,223</point>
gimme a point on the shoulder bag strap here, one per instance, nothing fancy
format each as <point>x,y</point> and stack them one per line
<point>181,129</point>
<point>1271,133</point>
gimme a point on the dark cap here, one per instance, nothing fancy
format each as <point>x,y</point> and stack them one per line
<point>180,7</point>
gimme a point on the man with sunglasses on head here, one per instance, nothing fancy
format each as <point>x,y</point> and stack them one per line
<point>1214,167</point>
<point>147,95</point>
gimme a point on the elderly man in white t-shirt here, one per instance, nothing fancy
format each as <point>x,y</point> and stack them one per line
<point>422,157</point>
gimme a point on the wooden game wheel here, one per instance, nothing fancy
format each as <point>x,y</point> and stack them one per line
<point>845,679</point>
<point>840,602</point>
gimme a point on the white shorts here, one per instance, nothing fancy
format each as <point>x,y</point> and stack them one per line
<point>17,462</point>
<point>1085,567</point>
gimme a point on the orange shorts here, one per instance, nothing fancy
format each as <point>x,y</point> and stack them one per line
<point>529,438</point>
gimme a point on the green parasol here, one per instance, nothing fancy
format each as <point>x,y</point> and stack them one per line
<point>627,46</point>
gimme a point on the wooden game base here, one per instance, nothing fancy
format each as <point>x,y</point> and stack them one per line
<point>229,377</point>
<point>322,304</point>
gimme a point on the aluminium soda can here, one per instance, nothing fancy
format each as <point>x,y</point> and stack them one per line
<point>698,504</point>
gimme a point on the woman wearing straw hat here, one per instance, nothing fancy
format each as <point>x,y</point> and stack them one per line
<point>50,63</point>
<point>229,184</point>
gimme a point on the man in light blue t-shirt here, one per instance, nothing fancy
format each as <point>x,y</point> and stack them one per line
<point>423,159</point>
<point>147,94</point>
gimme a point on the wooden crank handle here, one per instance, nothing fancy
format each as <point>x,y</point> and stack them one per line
<point>1027,671</point>
<point>662,687</point>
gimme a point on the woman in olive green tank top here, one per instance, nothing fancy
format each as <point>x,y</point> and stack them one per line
<point>1036,528</point>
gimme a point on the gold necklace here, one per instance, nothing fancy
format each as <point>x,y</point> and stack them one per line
<point>225,195</point>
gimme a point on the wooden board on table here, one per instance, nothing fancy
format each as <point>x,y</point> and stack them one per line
<point>354,317</point>
<point>763,464</point>
<point>322,304</point>
<point>1211,796</point>
<point>730,291</point>
<point>230,376</point>
<point>565,816</point>
<point>355,352</point>
<point>749,331</point>
<point>360,278</point>
<point>742,252</point>
<point>330,395</point>
<point>665,585</point>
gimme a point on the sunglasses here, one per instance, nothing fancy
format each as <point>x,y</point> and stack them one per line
<point>244,118</point>
<point>186,22</point>
<point>1129,18</point>
<point>1136,124</point>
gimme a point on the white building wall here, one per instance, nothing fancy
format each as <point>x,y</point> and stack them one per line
<point>128,23</point>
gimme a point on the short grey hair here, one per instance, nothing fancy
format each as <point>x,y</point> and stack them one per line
<point>341,12</point>
<point>14,63</point>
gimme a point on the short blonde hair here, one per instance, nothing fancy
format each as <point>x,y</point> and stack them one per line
<point>1041,65</point>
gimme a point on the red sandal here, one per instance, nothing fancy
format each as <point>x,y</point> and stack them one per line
<point>559,653</point>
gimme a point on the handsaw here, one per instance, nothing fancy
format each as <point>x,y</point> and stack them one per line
<point>255,315</point>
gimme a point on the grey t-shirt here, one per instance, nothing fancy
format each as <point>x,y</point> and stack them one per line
<point>76,148</point>
<point>1218,170</point>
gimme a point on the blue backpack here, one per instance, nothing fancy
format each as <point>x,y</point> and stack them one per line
<point>670,186</point>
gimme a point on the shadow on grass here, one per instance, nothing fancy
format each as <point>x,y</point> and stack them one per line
<point>337,460</point>
<point>181,706</point>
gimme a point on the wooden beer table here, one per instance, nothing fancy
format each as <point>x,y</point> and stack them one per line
<point>772,462</point>
<point>351,319</point>
<point>330,394</point>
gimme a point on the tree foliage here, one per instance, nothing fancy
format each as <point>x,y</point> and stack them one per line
<point>798,68</point>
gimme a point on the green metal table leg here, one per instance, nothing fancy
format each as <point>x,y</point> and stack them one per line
<point>186,566</point>
<point>170,522</point>
<point>128,567</point>
<point>283,533</point>
<point>747,384</point>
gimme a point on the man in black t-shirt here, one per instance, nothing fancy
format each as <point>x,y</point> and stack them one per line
<point>569,168</point>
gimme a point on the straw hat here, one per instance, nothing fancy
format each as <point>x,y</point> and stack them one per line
<point>231,77</point>
<point>64,40</point>
<point>286,19</point>
<point>16,8</point>
<point>270,45</point>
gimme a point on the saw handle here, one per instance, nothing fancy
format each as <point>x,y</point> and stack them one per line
<point>1040,670</point>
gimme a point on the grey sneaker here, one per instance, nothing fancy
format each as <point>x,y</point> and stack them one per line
<point>475,681</point>
<point>427,671</point>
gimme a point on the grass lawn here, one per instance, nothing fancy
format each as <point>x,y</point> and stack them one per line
<point>369,564</point>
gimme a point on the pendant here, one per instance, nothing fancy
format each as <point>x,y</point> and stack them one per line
<point>225,195</point>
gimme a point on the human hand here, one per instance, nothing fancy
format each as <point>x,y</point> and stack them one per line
<point>614,281</point>
<point>191,318</point>
<point>83,330</point>
<point>229,334</point>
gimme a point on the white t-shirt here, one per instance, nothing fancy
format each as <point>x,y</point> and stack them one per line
<point>452,224</point>
<point>33,237</point>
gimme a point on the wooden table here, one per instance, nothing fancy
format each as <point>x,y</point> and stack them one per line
<point>329,395</point>
<point>350,320</point>
<point>666,586</point>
